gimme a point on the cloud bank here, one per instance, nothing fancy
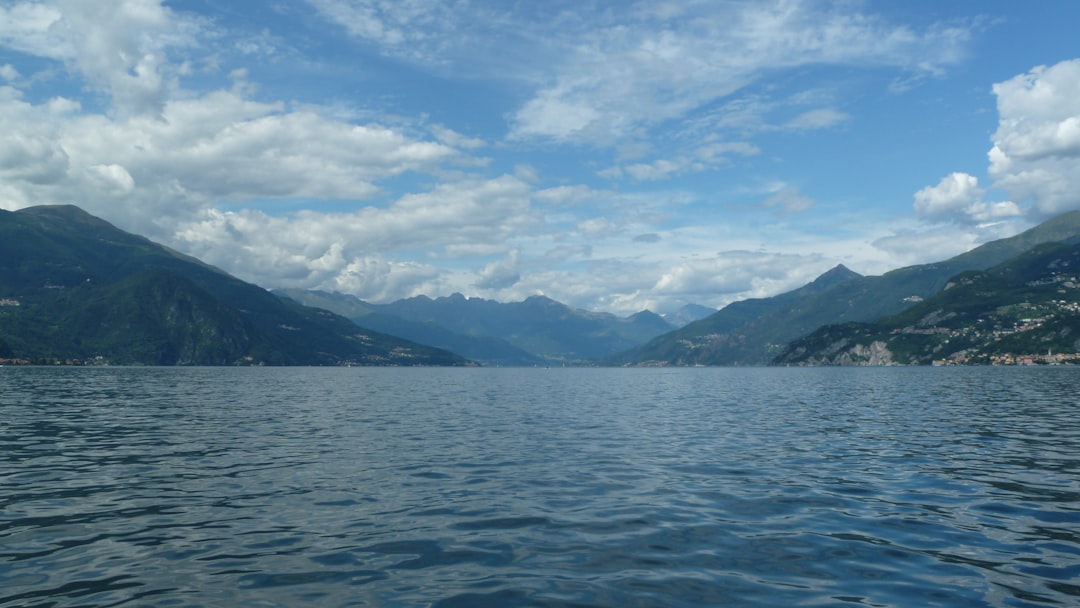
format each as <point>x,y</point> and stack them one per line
<point>149,116</point>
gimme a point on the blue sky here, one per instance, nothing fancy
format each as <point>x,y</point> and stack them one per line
<point>615,156</point>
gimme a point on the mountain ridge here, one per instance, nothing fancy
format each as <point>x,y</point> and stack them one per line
<point>535,331</point>
<point>753,332</point>
<point>1023,307</point>
<point>79,289</point>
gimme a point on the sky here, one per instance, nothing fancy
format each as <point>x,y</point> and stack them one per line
<point>613,155</point>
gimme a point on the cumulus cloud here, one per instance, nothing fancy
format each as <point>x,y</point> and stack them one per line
<point>382,280</point>
<point>120,48</point>
<point>500,274</point>
<point>953,194</point>
<point>958,197</point>
<point>218,172</point>
<point>737,274</point>
<point>170,163</point>
<point>1036,152</point>
<point>200,151</point>
<point>31,154</point>
<point>351,252</point>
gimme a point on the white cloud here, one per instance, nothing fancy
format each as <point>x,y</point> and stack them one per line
<point>953,195</point>
<point>119,47</point>
<point>413,29</point>
<point>958,197</point>
<point>201,151</point>
<point>719,151</point>
<point>658,169</point>
<point>704,157</point>
<point>350,252</point>
<point>821,118</point>
<point>786,199</point>
<point>31,154</point>
<point>219,173</point>
<point>570,195</point>
<point>925,244</point>
<point>633,73</point>
<point>112,179</point>
<point>27,27</point>
<point>381,280</point>
<point>455,139</point>
<point>1036,153</point>
<point>500,274</point>
<point>734,275</point>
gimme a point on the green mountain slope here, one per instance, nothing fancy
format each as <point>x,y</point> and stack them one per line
<point>74,287</point>
<point>753,334</point>
<point>1027,306</point>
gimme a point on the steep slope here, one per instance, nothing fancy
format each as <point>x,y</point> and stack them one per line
<point>1026,306</point>
<point>753,333</point>
<point>78,288</point>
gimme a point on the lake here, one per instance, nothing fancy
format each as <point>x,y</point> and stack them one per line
<point>539,487</point>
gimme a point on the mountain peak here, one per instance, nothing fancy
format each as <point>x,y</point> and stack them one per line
<point>838,272</point>
<point>541,299</point>
<point>69,210</point>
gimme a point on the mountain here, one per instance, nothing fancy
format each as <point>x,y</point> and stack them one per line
<point>1024,308</point>
<point>486,350</point>
<point>536,331</point>
<point>76,288</point>
<point>688,314</point>
<point>753,332</point>
<point>722,338</point>
<point>538,325</point>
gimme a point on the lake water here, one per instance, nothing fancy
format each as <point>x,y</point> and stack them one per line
<point>539,487</point>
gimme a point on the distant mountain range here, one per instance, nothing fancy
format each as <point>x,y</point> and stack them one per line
<point>74,288</point>
<point>753,332</point>
<point>536,331</point>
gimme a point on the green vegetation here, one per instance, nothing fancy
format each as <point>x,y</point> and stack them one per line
<point>753,332</point>
<point>1024,310</point>
<point>75,289</point>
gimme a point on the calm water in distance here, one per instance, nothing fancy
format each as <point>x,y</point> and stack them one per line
<point>539,487</point>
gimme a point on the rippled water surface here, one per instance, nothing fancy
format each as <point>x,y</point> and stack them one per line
<point>539,487</point>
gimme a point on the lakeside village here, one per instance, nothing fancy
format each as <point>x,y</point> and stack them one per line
<point>1051,310</point>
